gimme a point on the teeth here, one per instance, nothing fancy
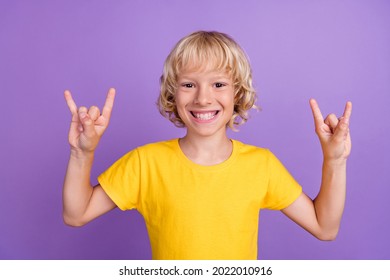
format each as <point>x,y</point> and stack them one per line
<point>204,117</point>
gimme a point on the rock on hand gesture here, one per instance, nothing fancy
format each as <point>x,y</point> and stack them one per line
<point>88,125</point>
<point>333,133</point>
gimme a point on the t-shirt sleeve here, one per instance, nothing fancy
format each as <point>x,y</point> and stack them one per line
<point>121,181</point>
<point>282,189</point>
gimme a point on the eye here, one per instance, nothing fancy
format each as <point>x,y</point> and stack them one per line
<point>188,85</point>
<point>219,85</point>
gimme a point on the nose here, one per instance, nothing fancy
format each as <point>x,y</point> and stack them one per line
<point>203,96</point>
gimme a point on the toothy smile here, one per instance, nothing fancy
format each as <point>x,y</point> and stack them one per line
<point>204,116</point>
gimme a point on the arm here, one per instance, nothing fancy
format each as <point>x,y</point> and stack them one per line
<point>82,202</point>
<point>322,216</point>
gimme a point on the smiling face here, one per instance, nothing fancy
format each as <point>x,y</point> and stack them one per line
<point>205,101</point>
<point>204,54</point>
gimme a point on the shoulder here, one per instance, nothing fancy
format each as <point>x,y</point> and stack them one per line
<point>167,144</point>
<point>151,149</point>
<point>250,155</point>
<point>158,148</point>
<point>251,150</point>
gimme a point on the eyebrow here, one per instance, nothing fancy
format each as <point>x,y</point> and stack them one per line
<point>216,77</point>
<point>221,77</point>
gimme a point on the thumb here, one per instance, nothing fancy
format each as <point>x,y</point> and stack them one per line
<point>342,129</point>
<point>87,123</point>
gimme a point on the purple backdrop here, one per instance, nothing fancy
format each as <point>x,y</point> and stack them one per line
<point>331,50</point>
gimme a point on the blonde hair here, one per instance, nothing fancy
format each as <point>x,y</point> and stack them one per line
<point>198,50</point>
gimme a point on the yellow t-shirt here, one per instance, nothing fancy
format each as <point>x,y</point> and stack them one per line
<point>200,212</point>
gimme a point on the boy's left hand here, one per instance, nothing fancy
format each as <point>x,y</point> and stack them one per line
<point>333,133</point>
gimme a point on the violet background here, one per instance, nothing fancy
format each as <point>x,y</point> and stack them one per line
<point>334,51</point>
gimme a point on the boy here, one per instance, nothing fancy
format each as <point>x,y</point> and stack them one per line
<point>200,195</point>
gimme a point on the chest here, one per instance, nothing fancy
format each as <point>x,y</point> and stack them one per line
<point>192,194</point>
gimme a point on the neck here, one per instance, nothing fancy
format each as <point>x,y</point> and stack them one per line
<point>207,150</point>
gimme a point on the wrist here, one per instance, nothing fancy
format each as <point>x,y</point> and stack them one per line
<point>81,155</point>
<point>335,162</point>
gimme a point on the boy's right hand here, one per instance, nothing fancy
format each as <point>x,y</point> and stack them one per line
<point>88,125</point>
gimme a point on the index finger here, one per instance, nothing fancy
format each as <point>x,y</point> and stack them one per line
<point>71,104</point>
<point>109,103</point>
<point>317,115</point>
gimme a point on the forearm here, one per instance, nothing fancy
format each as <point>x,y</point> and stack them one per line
<point>77,188</point>
<point>329,204</point>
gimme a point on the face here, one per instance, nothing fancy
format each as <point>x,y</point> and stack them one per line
<point>205,101</point>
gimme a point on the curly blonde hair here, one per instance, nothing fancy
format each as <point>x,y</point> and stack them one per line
<point>199,50</point>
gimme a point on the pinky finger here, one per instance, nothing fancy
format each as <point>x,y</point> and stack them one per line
<point>69,100</point>
<point>347,110</point>
<point>107,108</point>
